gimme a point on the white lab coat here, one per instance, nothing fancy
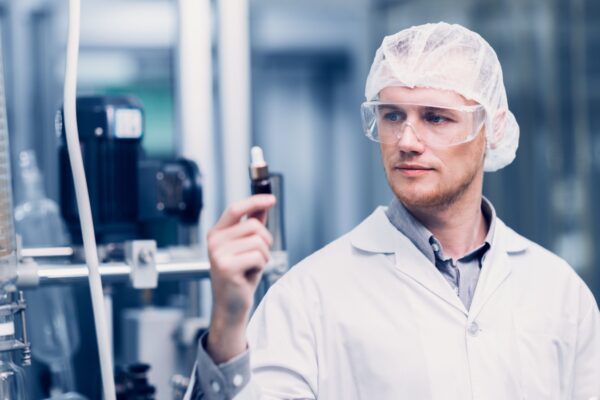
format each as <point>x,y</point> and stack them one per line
<point>369,317</point>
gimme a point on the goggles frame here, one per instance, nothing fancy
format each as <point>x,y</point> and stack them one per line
<point>370,120</point>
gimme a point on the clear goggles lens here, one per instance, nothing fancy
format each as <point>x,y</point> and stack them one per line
<point>433,125</point>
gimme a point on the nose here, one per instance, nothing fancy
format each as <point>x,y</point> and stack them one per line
<point>408,140</point>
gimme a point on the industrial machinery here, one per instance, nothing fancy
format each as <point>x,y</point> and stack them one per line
<point>128,190</point>
<point>129,193</point>
<point>131,198</point>
<point>12,303</point>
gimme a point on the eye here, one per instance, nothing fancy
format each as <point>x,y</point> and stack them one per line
<point>394,116</point>
<point>435,118</point>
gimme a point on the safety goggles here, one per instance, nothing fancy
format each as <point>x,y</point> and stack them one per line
<point>433,125</point>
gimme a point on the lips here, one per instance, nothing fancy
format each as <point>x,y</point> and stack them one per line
<point>412,169</point>
<point>412,166</point>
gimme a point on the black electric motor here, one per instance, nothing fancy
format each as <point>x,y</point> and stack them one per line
<point>127,190</point>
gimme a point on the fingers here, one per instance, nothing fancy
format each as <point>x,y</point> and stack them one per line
<point>229,247</point>
<point>253,260</point>
<point>251,205</point>
<point>243,229</point>
<point>235,268</point>
<point>259,216</point>
<point>249,244</point>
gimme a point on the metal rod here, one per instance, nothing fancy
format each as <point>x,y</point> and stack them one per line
<point>170,265</point>
<point>26,356</point>
<point>47,252</point>
<point>53,274</point>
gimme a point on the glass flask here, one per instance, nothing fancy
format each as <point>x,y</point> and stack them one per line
<point>51,310</point>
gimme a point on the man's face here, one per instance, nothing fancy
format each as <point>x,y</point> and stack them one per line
<point>423,176</point>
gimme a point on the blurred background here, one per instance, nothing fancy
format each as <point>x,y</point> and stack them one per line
<point>298,69</point>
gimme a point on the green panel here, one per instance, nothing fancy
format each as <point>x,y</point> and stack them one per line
<point>159,113</point>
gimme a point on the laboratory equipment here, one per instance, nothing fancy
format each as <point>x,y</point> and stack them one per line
<point>170,189</point>
<point>264,182</point>
<point>52,316</point>
<point>83,203</point>
<point>259,172</point>
<point>12,384</point>
<point>132,383</point>
<point>144,331</point>
<point>275,219</point>
<point>8,257</point>
<point>111,130</point>
<point>12,376</point>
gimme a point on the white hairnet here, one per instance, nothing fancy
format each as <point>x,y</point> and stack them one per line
<point>449,57</point>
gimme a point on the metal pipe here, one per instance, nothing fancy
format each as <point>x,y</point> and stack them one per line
<point>196,139</point>
<point>53,274</point>
<point>26,360</point>
<point>47,252</point>
<point>108,307</point>
<point>234,95</point>
<point>59,274</point>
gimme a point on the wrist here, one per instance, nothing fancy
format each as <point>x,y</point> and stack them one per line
<point>230,315</point>
<point>225,343</point>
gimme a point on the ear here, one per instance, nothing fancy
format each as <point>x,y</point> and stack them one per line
<point>498,125</point>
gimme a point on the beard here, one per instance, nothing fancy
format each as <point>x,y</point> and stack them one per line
<point>440,196</point>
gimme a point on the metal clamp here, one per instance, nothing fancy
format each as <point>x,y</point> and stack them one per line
<point>140,255</point>
<point>17,308</point>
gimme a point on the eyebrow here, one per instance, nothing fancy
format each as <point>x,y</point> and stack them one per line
<point>433,108</point>
<point>390,107</point>
<point>438,109</point>
<point>398,107</point>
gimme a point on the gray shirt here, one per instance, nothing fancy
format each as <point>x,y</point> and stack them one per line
<point>462,274</point>
<point>224,381</point>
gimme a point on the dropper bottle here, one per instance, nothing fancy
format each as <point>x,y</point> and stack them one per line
<point>259,172</point>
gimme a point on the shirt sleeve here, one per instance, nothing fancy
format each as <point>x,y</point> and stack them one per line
<point>586,385</point>
<point>219,382</point>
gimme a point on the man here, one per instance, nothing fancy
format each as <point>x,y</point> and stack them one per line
<point>433,297</point>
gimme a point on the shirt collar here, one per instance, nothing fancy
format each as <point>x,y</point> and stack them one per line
<point>408,225</point>
<point>422,238</point>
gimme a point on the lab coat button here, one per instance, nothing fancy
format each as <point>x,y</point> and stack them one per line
<point>237,380</point>
<point>215,386</point>
<point>473,329</point>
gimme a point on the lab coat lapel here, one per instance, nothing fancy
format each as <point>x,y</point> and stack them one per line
<point>376,234</point>
<point>411,262</point>
<point>496,267</point>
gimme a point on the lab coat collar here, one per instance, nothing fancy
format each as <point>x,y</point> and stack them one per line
<point>376,234</point>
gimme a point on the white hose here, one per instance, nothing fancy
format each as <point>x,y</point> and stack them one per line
<point>83,201</point>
